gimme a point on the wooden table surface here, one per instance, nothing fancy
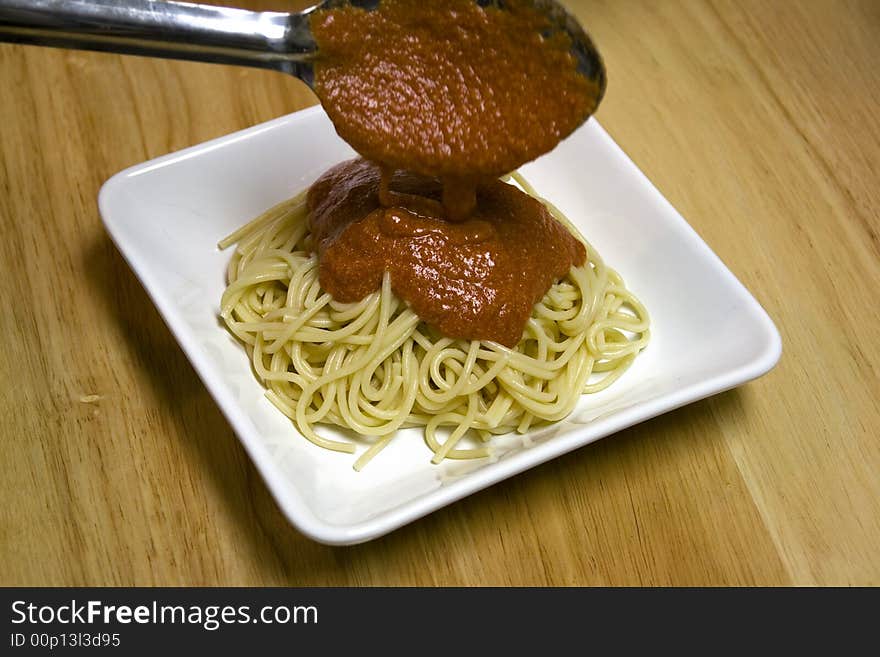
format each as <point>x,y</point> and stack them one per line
<point>758,120</point>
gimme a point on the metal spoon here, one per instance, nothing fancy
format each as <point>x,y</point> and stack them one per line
<point>204,33</point>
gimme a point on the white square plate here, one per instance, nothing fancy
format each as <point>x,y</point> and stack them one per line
<point>167,215</point>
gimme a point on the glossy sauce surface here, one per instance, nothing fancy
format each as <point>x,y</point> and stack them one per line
<point>448,89</point>
<point>477,279</point>
<point>441,98</point>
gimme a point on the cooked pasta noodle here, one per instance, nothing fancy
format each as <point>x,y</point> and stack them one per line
<point>374,368</point>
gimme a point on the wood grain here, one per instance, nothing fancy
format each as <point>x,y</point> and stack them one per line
<point>757,120</point>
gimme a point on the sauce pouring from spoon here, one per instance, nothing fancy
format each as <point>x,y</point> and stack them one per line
<point>463,90</point>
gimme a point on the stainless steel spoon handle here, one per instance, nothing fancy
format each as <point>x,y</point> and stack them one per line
<point>177,30</point>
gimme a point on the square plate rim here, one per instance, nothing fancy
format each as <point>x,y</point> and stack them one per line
<point>288,498</point>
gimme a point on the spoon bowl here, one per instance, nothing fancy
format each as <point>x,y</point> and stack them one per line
<point>177,30</point>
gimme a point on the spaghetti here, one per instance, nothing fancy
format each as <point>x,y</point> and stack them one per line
<point>373,367</point>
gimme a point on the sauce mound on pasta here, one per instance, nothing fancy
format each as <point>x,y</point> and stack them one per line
<point>441,99</point>
<point>477,279</point>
